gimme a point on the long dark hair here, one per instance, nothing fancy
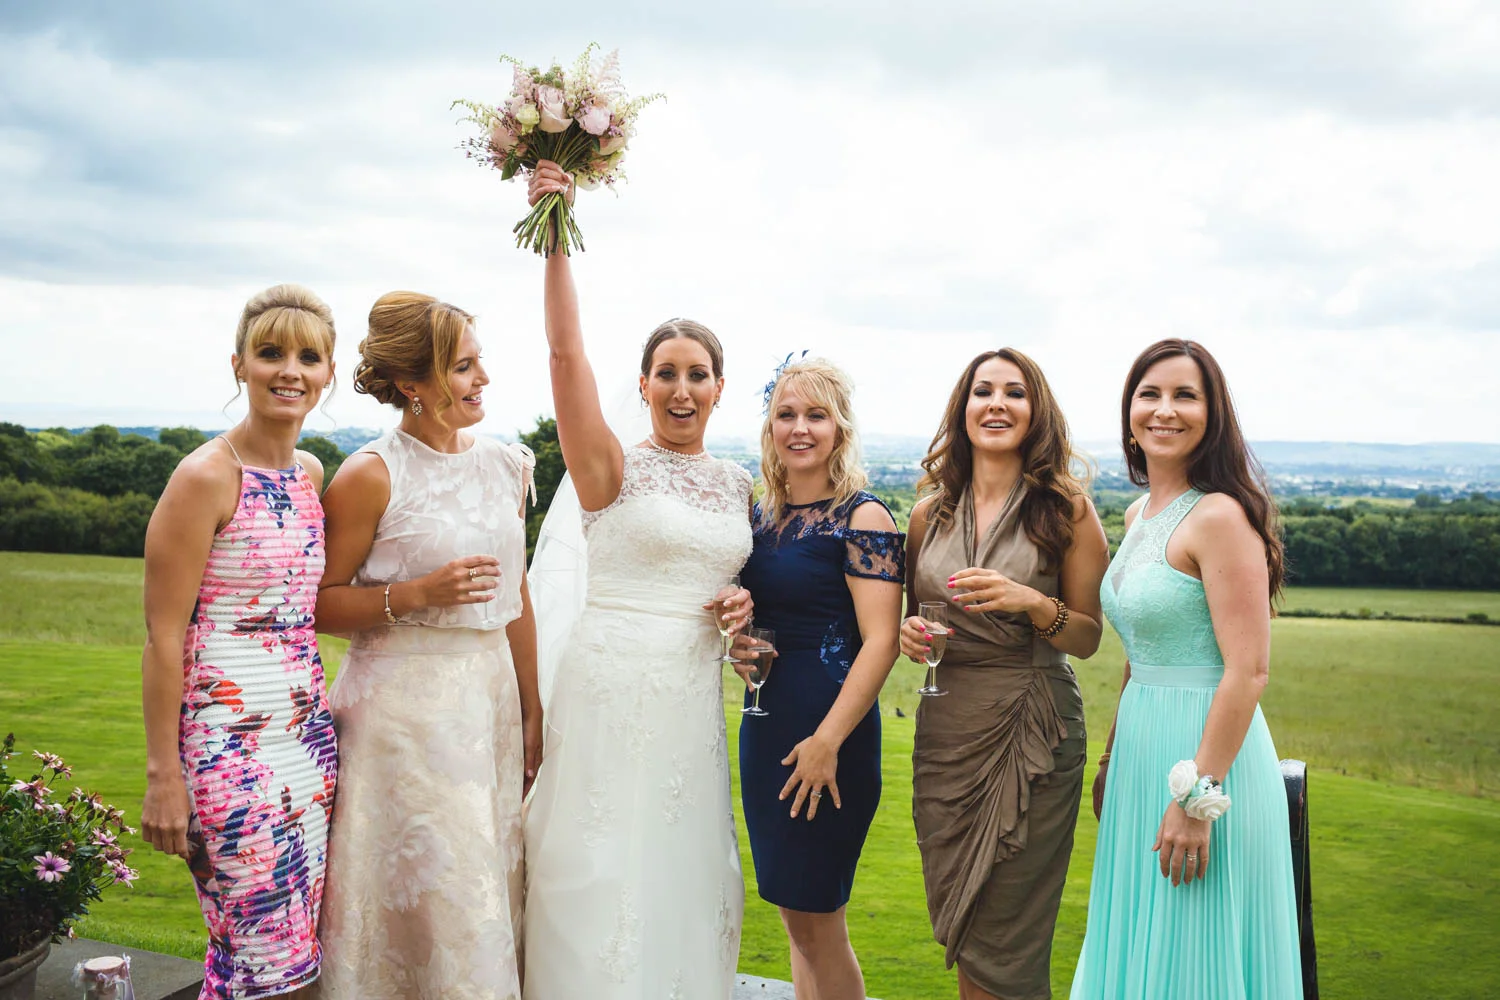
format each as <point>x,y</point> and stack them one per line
<point>1222,462</point>
<point>1046,460</point>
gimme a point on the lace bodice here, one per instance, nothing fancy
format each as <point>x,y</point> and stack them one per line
<point>444,507</point>
<point>1160,612</point>
<point>682,519</point>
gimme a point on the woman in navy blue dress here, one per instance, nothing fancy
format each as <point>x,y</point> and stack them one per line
<point>827,572</point>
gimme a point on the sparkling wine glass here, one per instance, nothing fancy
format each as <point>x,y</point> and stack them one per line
<point>726,590</point>
<point>936,616</point>
<point>761,649</point>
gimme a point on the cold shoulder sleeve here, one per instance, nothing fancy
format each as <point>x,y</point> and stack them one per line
<point>875,555</point>
<point>525,462</point>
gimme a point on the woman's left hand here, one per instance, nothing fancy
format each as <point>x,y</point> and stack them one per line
<point>976,589</point>
<point>1182,845</point>
<point>738,608</point>
<point>531,741</point>
<point>815,763</point>
<point>549,178</point>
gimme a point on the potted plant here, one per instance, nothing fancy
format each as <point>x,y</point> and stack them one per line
<point>57,855</point>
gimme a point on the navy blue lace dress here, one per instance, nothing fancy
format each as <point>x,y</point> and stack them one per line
<point>798,575</point>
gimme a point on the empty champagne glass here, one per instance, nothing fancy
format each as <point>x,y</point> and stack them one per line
<point>935,614</point>
<point>726,590</point>
<point>761,649</point>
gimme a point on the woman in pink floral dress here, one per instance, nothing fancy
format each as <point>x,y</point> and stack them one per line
<point>241,761</point>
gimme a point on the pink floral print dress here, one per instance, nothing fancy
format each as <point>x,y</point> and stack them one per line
<point>257,741</point>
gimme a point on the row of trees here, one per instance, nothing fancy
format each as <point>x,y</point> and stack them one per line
<point>93,492</point>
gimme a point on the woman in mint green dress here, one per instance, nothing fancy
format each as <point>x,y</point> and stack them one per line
<point>1192,894</point>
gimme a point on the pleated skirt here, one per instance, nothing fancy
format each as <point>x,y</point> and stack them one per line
<point>1229,936</point>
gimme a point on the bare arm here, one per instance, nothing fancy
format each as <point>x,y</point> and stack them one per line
<point>313,467</point>
<point>877,607</point>
<point>199,499</point>
<point>354,504</point>
<point>1232,559</point>
<point>1082,571</point>
<point>523,650</point>
<point>590,449</point>
<point>912,627</point>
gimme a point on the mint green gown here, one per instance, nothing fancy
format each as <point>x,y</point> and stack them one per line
<point>1233,934</point>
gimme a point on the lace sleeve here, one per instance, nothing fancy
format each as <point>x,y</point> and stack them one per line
<point>878,555</point>
<point>875,555</point>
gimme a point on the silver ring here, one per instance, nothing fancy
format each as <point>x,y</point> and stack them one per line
<point>473,573</point>
<point>1190,857</point>
<point>817,795</point>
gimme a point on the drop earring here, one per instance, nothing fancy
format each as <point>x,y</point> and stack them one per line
<point>416,407</point>
<point>1134,445</point>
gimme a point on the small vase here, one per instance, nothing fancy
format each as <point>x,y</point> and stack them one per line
<point>18,974</point>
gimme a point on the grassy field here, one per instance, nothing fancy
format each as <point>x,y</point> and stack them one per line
<point>1357,600</point>
<point>1395,720</point>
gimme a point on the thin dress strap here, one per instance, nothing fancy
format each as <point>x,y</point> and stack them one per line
<point>238,460</point>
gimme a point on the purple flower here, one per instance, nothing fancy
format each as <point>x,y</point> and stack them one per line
<point>123,873</point>
<point>54,762</point>
<point>35,789</point>
<point>103,838</point>
<point>49,867</point>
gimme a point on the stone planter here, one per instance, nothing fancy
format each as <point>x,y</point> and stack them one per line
<point>18,974</point>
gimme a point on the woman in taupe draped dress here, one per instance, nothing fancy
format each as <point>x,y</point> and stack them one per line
<point>1009,539</point>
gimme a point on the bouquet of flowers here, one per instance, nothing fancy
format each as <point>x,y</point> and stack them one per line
<point>57,855</point>
<point>582,120</point>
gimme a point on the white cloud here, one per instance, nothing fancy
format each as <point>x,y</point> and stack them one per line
<point>1108,175</point>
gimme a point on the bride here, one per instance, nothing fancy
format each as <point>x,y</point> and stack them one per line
<point>633,873</point>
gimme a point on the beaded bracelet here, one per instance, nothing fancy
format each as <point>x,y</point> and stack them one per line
<point>390,619</point>
<point>1057,624</point>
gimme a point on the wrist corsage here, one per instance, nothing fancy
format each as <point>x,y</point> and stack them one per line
<point>1200,796</point>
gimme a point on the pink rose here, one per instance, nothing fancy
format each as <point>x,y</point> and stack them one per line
<point>594,120</point>
<point>554,114</point>
<point>502,139</point>
<point>611,143</point>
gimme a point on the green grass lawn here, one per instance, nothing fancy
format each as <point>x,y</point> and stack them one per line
<point>1356,600</point>
<point>1395,720</point>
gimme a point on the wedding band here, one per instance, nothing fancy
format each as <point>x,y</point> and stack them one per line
<point>1191,857</point>
<point>473,574</point>
<point>817,795</point>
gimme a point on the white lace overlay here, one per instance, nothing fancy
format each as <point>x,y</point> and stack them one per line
<point>445,507</point>
<point>425,876</point>
<point>633,878</point>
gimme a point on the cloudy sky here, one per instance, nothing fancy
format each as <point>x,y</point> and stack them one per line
<point>1309,189</point>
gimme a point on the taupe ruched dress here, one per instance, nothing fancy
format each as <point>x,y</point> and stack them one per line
<point>997,769</point>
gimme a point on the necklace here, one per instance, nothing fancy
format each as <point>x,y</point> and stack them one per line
<point>696,456</point>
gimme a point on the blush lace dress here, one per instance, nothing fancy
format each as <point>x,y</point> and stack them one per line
<point>425,878</point>
<point>634,889</point>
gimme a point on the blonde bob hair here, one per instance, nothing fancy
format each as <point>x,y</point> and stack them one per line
<point>411,336</point>
<point>823,384</point>
<point>289,317</point>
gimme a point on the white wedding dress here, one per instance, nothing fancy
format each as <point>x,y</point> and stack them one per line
<point>633,884</point>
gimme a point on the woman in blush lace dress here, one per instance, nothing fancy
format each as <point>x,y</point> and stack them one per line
<point>240,756</point>
<point>436,701</point>
<point>634,889</point>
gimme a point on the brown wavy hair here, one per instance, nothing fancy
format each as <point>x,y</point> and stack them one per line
<point>1046,461</point>
<point>1222,462</point>
<point>411,336</point>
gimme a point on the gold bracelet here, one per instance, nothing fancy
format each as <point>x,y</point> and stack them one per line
<point>390,619</point>
<point>1057,623</point>
<point>1104,758</point>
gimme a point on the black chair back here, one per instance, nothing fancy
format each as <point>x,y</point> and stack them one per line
<point>1294,773</point>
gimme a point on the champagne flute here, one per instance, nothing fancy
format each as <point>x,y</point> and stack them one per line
<point>935,614</point>
<point>762,650</point>
<point>726,590</point>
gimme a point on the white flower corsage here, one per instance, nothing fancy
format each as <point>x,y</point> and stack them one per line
<point>1201,797</point>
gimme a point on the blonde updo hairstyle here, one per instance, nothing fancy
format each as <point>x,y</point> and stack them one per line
<point>288,316</point>
<point>820,383</point>
<point>411,336</point>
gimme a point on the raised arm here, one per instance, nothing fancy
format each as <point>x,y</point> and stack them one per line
<point>199,499</point>
<point>590,449</point>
